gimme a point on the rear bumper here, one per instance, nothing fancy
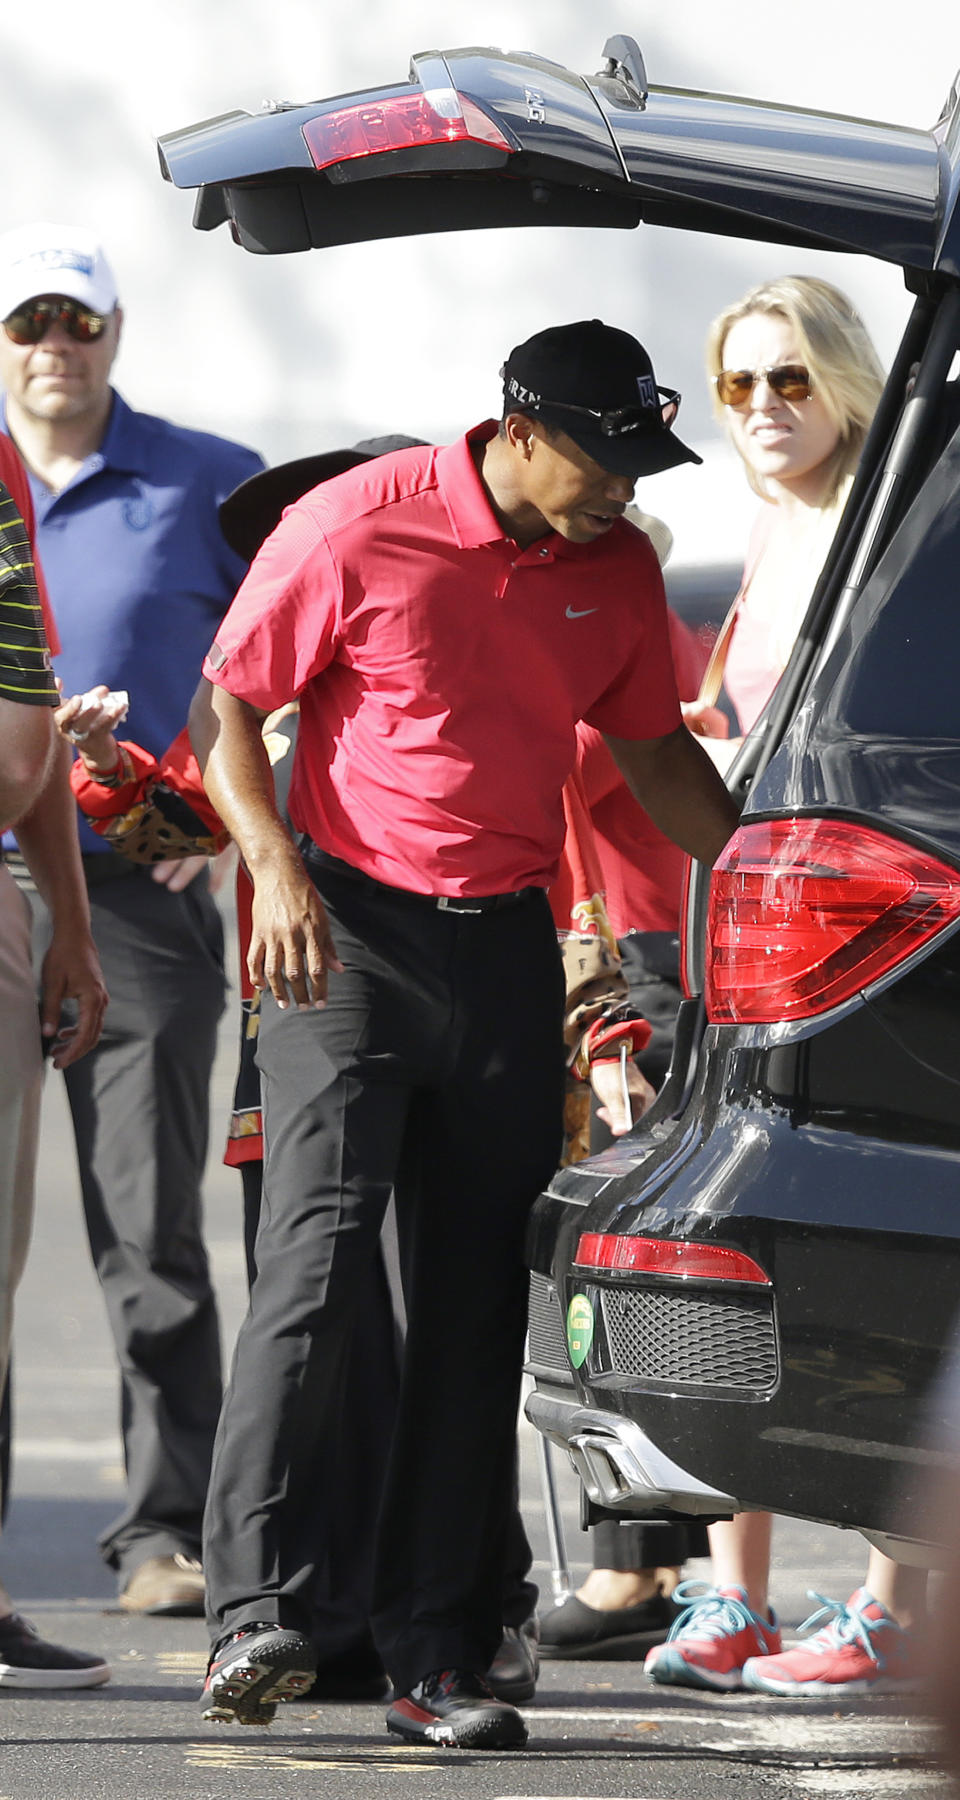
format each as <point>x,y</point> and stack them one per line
<point>619,1466</point>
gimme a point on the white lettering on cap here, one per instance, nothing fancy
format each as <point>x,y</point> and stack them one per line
<point>517,391</point>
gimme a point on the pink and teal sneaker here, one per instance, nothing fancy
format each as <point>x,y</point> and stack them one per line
<point>712,1640</point>
<point>859,1650</point>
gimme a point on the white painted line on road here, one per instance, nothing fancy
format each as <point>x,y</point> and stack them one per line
<point>771,1728</point>
<point>64,1449</point>
<point>897,1784</point>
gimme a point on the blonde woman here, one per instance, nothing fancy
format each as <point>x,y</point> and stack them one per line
<point>796,381</point>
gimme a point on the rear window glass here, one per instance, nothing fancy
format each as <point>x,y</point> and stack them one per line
<point>902,678</point>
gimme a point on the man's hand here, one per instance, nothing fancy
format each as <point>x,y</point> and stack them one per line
<point>290,943</point>
<point>71,971</point>
<point>606,1080</point>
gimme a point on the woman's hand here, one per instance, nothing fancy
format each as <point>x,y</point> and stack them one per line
<point>88,720</point>
<point>704,720</point>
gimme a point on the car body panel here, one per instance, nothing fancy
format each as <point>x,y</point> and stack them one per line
<point>584,150</point>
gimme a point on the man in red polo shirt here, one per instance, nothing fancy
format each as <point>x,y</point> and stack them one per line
<point>445,617</point>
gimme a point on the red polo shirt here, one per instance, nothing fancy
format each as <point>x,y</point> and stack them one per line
<point>441,670</point>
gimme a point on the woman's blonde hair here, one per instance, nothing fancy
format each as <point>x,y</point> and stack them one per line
<point>834,343</point>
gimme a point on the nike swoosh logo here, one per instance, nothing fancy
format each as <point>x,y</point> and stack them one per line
<point>580,615</point>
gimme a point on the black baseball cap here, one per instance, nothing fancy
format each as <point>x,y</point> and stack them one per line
<point>255,508</point>
<point>597,384</point>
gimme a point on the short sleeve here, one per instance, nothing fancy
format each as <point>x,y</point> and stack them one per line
<point>284,624</point>
<point>26,670</point>
<point>641,701</point>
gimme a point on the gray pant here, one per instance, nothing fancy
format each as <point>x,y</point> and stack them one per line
<point>20,1082</point>
<point>140,1116</point>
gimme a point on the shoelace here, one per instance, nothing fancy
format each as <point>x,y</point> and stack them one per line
<point>842,1624</point>
<point>713,1614</point>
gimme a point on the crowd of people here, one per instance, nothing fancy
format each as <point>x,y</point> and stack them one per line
<point>437,700</point>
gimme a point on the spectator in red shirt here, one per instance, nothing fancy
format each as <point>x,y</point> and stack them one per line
<point>445,618</point>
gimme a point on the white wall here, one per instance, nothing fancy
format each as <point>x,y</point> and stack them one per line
<point>304,352</point>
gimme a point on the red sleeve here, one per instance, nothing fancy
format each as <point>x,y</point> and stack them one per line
<point>178,770</point>
<point>284,624</point>
<point>641,702</point>
<point>598,771</point>
<point>14,476</point>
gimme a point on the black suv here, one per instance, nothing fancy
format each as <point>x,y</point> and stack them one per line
<point>744,1302</point>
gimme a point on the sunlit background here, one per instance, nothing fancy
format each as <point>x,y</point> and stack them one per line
<point>295,353</point>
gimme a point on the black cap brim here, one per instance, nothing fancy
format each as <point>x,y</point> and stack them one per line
<point>255,508</point>
<point>645,452</point>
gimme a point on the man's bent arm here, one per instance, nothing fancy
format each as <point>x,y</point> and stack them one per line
<point>677,784</point>
<point>47,836</point>
<point>290,944</point>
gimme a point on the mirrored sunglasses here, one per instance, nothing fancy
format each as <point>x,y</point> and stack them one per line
<point>789,381</point>
<point>28,324</point>
<point>620,421</point>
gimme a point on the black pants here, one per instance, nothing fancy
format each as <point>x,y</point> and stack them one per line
<point>435,1071</point>
<point>354,1467</point>
<point>140,1117</point>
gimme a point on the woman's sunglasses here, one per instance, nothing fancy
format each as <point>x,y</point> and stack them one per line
<point>28,324</point>
<point>789,381</point>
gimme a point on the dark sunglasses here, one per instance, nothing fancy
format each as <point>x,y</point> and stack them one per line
<point>28,324</point>
<point>790,381</point>
<point>620,421</point>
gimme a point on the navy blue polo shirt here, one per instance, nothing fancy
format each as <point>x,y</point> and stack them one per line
<point>137,567</point>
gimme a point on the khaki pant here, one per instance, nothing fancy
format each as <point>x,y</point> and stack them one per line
<point>21,1075</point>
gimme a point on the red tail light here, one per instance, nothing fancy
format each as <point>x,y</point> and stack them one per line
<point>404,121</point>
<point>658,1256</point>
<point>804,913</point>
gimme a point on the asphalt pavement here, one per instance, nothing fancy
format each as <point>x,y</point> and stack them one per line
<point>596,1729</point>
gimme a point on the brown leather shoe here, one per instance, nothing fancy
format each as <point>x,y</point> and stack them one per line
<point>171,1585</point>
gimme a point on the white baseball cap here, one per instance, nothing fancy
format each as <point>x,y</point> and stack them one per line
<point>54,259</point>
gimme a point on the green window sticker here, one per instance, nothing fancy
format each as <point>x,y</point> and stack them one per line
<point>579,1329</point>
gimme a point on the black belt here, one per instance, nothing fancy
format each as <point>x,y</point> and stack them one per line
<point>452,903</point>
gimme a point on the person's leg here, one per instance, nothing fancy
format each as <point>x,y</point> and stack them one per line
<point>899,1588</point>
<point>26,1660</point>
<point>871,1644</point>
<point>477,1152</point>
<point>21,1081</point>
<point>740,1548</point>
<point>140,1113</point>
<point>730,1624</point>
<point>348,1666</point>
<point>624,1607</point>
<point>336,1092</point>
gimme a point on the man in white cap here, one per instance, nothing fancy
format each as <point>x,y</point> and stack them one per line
<point>140,575</point>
